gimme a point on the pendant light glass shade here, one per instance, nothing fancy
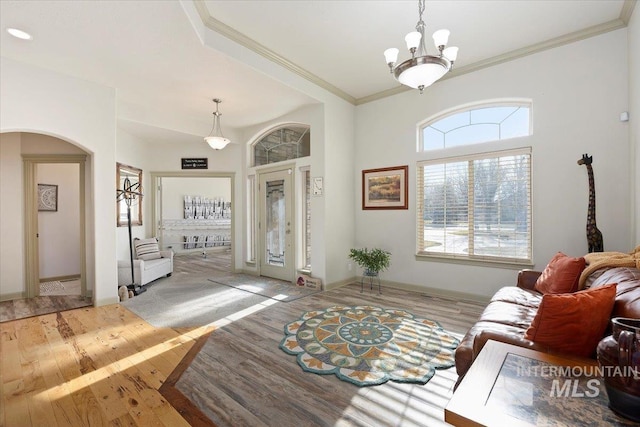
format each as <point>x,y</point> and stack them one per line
<point>217,142</point>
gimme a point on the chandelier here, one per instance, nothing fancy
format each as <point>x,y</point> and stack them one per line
<point>422,70</point>
<point>216,140</point>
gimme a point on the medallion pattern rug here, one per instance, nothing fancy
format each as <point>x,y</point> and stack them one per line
<point>368,345</point>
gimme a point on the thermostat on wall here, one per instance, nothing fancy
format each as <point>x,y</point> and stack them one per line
<point>318,186</point>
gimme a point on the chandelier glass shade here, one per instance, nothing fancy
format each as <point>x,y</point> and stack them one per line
<point>422,70</point>
<point>216,139</point>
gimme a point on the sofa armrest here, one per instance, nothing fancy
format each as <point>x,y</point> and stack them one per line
<point>166,254</point>
<point>481,339</point>
<point>527,279</point>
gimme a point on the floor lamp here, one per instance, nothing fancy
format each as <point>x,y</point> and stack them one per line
<point>128,194</point>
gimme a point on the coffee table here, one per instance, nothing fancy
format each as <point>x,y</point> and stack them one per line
<point>513,386</point>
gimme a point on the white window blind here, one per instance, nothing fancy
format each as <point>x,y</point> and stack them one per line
<point>476,207</point>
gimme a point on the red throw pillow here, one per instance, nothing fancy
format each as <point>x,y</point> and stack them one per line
<point>561,275</point>
<point>573,323</point>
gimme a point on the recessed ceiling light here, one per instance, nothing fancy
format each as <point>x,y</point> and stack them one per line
<point>23,35</point>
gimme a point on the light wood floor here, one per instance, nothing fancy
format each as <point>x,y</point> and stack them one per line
<point>105,365</point>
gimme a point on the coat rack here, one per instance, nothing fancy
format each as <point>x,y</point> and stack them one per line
<point>129,194</point>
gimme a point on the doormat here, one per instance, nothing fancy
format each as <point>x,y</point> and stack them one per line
<point>51,287</point>
<point>266,286</point>
<point>367,345</point>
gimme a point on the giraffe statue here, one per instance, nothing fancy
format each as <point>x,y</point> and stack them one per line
<point>594,236</point>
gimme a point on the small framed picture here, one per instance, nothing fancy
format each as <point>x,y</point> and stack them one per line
<point>47,198</point>
<point>385,188</point>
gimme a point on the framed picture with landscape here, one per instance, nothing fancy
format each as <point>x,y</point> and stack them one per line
<point>385,188</point>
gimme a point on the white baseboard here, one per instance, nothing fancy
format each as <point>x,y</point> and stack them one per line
<point>444,293</point>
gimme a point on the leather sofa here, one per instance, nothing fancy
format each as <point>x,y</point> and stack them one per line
<point>512,309</point>
<point>145,271</point>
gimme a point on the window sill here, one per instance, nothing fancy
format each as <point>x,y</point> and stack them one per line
<point>512,265</point>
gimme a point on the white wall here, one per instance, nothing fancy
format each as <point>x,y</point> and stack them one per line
<point>633,32</point>
<point>576,107</point>
<point>167,157</point>
<point>37,100</point>
<point>174,190</point>
<point>59,232</point>
<point>133,151</point>
<point>12,263</point>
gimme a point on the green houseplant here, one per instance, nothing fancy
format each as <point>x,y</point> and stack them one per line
<point>373,261</point>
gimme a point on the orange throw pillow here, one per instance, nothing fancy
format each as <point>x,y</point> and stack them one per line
<point>561,275</point>
<point>573,323</point>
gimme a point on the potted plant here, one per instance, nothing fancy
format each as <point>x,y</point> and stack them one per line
<point>373,261</point>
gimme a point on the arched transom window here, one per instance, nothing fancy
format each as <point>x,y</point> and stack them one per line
<point>477,125</point>
<point>284,143</point>
<point>477,205</point>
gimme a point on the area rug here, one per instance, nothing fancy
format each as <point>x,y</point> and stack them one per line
<point>367,345</point>
<point>265,286</point>
<point>48,288</point>
<point>178,301</point>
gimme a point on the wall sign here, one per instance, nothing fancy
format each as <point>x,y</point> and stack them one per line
<point>195,163</point>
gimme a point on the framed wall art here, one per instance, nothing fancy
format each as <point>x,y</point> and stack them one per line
<point>47,198</point>
<point>385,188</point>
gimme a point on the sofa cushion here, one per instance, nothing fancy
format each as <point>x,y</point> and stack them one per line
<point>506,313</point>
<point>573,323</point>
<point>147,249</point>
<point>515,295</point>
<point>627,292</point>
<point>561,275</point>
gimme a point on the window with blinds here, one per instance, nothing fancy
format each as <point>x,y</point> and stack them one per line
<point>476,207</point>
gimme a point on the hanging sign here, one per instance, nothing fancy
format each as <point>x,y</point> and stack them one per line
<point>195,163</point>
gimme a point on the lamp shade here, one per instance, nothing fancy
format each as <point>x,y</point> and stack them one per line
<point>441,37</point>
<point>421,72</point>
<point>413,40</point>
<point>217,142</point>
<point>391,55</point>
<point>451,53</point>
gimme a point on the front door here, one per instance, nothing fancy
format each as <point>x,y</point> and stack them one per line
<point>275,226</point>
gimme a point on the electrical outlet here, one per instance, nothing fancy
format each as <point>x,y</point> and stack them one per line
<point>350,265</point>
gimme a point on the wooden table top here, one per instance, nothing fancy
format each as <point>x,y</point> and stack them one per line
<point>513,386</point>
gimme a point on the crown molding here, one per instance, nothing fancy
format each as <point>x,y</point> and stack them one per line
<point>514,54</point>
<point>236,36</point>
<point>627,11</point>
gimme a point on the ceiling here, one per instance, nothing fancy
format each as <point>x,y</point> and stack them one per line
<point>152,52</point>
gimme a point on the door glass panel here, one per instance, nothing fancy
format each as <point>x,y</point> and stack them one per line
<point>276,226</point>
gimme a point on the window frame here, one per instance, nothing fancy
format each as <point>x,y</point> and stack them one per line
<point>464,152</point>
<point>305,220</point>
<point>510,102</point>
<point>252,158</point>
<point>422,254</point>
